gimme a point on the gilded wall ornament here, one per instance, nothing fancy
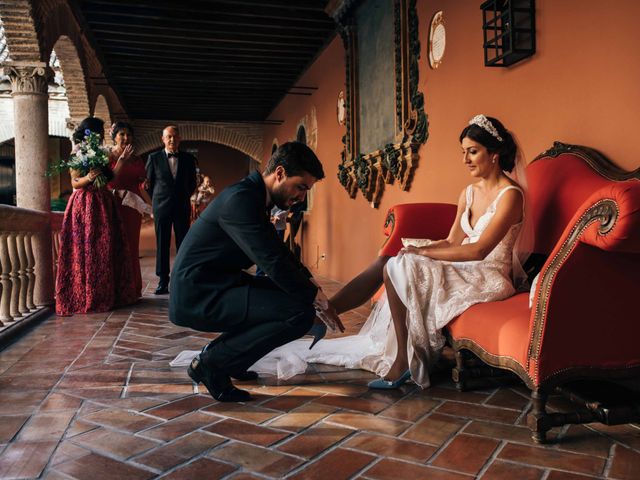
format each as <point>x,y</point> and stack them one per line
<point>394,159</point>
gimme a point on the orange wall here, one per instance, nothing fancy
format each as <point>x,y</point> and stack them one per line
<point>580,87</point>
<point>225,165</point>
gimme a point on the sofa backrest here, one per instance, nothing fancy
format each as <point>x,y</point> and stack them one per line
<point>560,180</point>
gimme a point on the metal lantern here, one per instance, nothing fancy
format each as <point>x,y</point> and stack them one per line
<point>509,29</point>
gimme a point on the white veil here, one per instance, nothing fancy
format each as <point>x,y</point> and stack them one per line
<point>524,244</point>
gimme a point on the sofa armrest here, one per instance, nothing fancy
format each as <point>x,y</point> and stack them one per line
<point>583,315</point>
<point>620,208</point>
<point>416,220</point>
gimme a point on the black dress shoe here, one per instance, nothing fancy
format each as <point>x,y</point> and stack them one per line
<point>161,290</point>
<point>217,382</point>
<point>245,376</point>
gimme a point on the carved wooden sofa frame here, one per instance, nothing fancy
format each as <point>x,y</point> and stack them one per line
<point>584,322</point>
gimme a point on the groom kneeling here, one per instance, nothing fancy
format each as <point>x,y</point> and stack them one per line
<point>211,292</point>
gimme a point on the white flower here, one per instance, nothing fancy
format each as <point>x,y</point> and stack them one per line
<point>91,153</point>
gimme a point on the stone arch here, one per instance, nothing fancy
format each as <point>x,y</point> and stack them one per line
<point>102,111</point>
<point>20,31</point>
<point>208,133</point>
<point>74,78</point>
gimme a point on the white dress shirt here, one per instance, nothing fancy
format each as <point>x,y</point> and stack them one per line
<point>173,164</point>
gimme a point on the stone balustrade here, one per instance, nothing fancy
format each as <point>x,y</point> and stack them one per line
<point>27,271</point>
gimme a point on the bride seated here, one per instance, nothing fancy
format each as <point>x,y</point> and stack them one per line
<point>429,283</point>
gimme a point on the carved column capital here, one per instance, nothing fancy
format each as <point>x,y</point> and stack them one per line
<point>28,77</point>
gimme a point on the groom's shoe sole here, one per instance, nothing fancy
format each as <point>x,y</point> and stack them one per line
<point>217,382</point>
<point>245,376</point>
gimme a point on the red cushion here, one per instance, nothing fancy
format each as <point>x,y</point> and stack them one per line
<point>499,328</point>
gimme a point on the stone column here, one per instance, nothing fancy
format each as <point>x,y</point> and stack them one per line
<point>29,81</point>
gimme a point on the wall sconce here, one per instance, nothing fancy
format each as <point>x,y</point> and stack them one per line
<point>509,28</point>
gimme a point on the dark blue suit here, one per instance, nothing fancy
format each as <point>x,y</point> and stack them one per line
<point>210,291</point>
<point>171,202</point>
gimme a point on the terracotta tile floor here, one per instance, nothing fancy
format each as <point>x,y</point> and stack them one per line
<point>93,397</point>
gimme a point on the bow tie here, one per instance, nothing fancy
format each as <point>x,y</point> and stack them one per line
<point>174,155</point>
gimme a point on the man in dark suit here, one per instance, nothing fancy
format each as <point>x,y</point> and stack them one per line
<point>211,292</point>
<point>171,176</point>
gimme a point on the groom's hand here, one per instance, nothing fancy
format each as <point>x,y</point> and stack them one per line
<point>331,316</point>
<point>321,300</point>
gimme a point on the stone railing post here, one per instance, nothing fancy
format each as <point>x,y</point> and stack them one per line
<point>31,277</point>
<point>15,276</point>
<point>5,280</point>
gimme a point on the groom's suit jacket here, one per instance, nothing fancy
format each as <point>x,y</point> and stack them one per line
<point>170,196</point>
<point>232,234</point>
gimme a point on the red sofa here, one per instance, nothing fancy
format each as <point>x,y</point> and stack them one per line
<point>584,322</point>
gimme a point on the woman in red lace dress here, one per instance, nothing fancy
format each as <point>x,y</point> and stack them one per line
<point>94,266</point>
<point>129,175</point>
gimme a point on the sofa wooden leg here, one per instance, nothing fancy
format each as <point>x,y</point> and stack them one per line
<point>538,419</point>
<point>459,373</point>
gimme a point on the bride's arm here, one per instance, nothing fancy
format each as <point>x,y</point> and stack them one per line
<point>508,213</point>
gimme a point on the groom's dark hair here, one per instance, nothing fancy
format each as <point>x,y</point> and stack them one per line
<point>296,158</point>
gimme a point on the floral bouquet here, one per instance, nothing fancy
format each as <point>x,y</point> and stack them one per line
<point>85,156</point>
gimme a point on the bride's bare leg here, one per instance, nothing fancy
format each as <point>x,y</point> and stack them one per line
<point>361,288</point>
<point>399,316</point>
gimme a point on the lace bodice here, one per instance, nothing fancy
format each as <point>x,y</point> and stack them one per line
<point>503,251</point>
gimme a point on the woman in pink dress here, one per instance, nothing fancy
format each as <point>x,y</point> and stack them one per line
<point>129,176</point>
<point>94,266</point>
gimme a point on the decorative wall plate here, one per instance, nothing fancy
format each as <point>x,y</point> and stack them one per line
<point>437,40</point>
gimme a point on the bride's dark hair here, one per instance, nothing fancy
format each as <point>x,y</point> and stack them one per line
<point>506,149</point>
<point>93,124</point>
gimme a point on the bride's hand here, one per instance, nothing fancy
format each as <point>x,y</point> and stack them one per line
<point>415,250</point>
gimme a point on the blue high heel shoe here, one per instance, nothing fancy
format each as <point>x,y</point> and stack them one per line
<point>382,384</point>
<point>318,331</point>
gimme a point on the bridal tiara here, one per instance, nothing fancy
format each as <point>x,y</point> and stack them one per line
<point>484,123</point>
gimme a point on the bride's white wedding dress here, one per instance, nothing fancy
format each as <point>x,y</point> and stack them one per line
<point>434,292</point>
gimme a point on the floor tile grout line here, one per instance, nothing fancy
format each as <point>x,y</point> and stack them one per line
<point>367,467</point>
<point>608,465</point>
<point>241,469</point>
<point>446,443</point>
<point>523,413</point>
<point>421,417</point>
<point>110,455</point>
<point>418,464</point>
<point>489,462</point>
<point>313,460</point>
<point>536,446</point>
<point>546,467</point>
<point>613,438</point>
<point>123,394</point>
